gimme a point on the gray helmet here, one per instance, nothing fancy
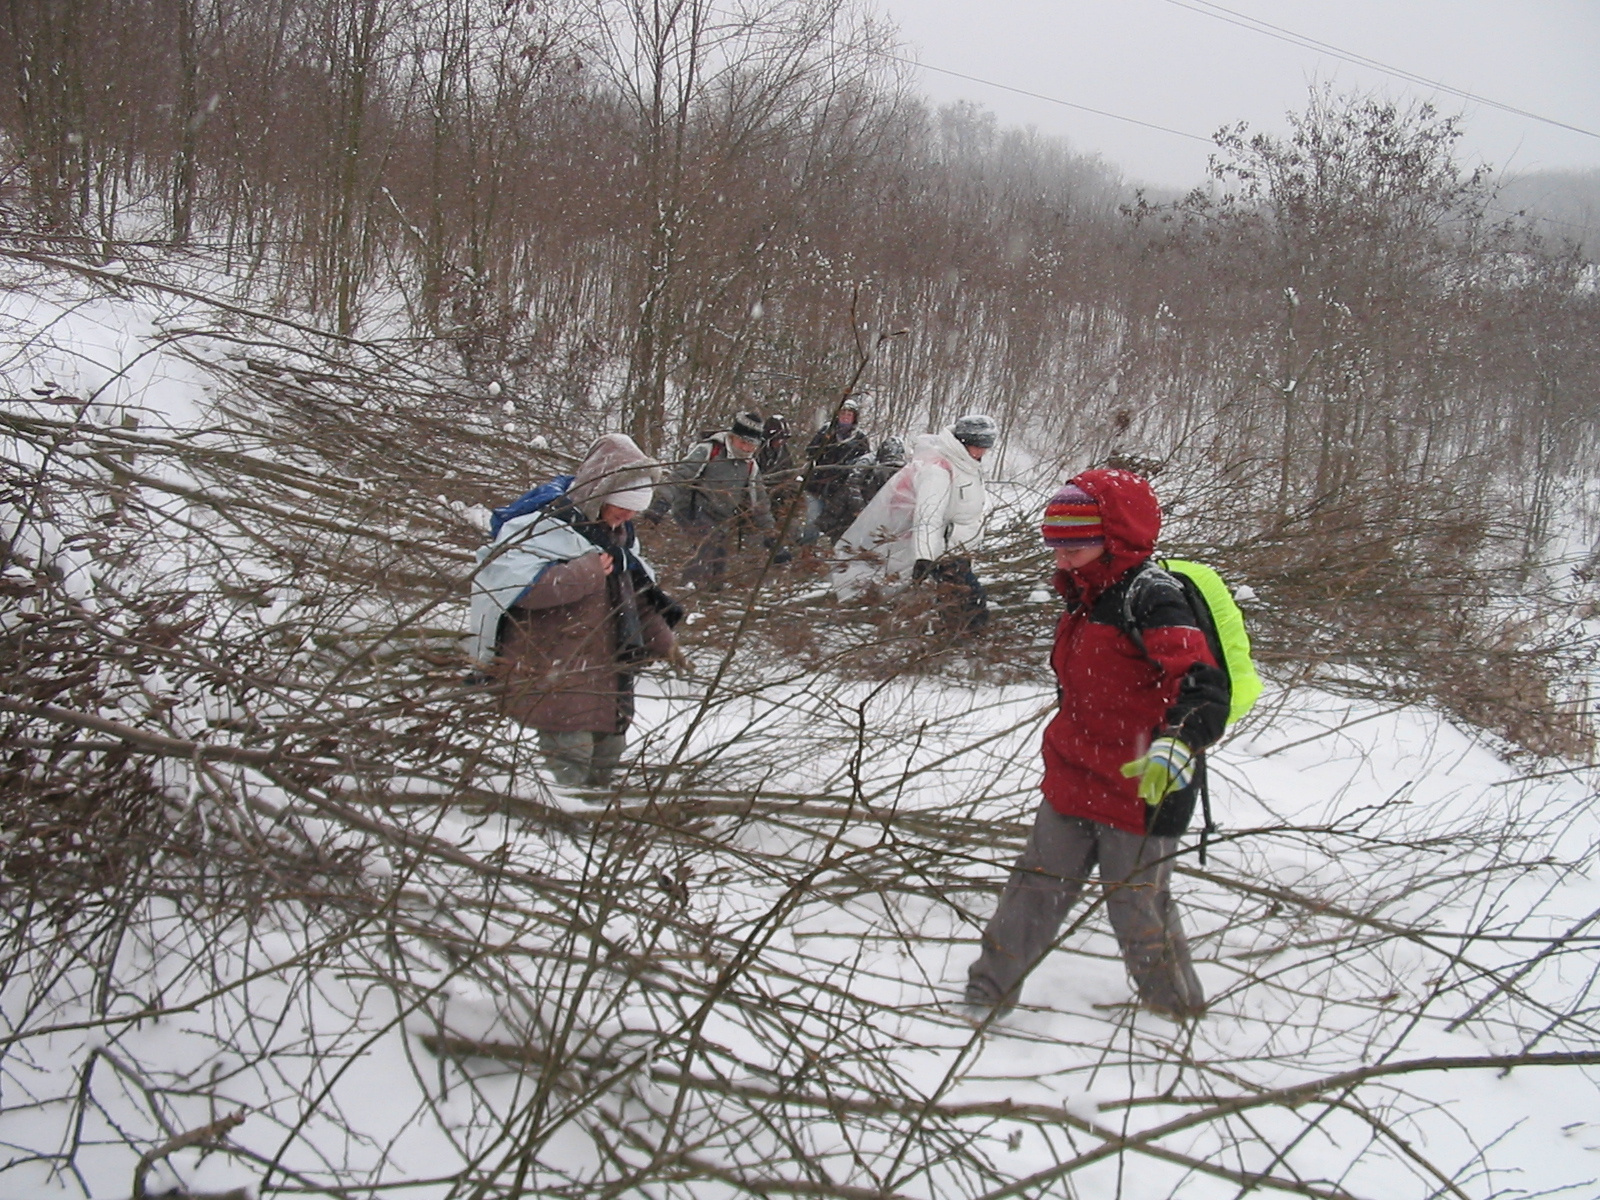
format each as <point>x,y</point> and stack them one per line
<point>892,450</point>
<point>976,429</point>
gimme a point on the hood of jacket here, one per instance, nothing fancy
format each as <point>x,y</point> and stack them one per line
<point>613,465</point>
<point>943,447</point>
<point>1131,518</point>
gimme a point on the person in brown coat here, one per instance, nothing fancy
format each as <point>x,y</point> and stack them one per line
<point>576,613</point>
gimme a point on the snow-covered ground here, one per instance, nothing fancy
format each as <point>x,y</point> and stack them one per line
<point>742,976</point>
<point>1380,877</point>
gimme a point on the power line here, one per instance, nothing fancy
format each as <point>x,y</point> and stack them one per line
<point>1217,12</point>
<point>1206,8</point>
<point>1287,35</point>
<point>1100,112</point>
<point>1006,87</point>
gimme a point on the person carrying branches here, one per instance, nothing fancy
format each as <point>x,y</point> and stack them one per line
<point>780,474</point>
<point>868,476</point>
<point>1140,698</point>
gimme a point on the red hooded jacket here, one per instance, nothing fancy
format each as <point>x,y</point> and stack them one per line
<point>1116,698</point>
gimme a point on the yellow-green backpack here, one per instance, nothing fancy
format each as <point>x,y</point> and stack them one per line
<point>1223,625</point>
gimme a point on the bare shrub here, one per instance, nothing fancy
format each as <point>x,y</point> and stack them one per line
<point>265,851</point>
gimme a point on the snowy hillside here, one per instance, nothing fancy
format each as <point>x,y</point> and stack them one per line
<point>267,856</point>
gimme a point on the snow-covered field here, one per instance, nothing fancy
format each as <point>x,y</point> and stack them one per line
<point>742,976</point>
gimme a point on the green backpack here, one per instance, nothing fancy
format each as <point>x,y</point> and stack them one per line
<point>1220,620</point>
<point>1223,625</point>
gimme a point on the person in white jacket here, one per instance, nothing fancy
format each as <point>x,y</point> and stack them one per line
<point>925,523</point>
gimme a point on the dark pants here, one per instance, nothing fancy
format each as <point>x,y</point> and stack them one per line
<point>837,511</point>
<point>709,566</point>
<point>965,604</point>
<point>1045,883</point>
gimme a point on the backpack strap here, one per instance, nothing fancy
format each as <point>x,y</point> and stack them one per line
<point>684,486</point>
<point>1149,574</point>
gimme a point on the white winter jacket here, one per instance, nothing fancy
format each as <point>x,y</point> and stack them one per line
<point>932,507</point>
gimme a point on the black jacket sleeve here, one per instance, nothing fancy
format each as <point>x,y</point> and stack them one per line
<point>1200,712</point>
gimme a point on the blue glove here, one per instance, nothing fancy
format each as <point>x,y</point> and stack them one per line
<point>1167,767</point>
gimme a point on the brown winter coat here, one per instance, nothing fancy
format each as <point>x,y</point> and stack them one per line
<point>558,659</point>
<point>559,654</point>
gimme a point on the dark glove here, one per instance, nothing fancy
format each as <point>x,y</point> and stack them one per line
<point>921,569</point>
<point>782,556</point>
<point>671,611</point>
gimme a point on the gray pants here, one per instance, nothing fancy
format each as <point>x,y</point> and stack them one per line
<point>582,759</point>
<point>1048,879</point>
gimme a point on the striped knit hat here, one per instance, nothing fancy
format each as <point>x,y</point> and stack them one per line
<point>1072,520</point>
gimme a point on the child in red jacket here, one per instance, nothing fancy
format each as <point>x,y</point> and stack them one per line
<point>1141,697</point>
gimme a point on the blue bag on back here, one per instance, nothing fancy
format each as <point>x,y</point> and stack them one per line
<point>531,501</point>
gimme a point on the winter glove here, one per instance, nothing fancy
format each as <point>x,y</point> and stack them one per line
<point>1167,767</point>
<point>679,661</point>
<point>921,569</point>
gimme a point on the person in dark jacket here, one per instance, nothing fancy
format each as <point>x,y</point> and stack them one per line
<point>718,498</point>
<point>1141,697</point>
<point>780,475</point>
<point>579,614</point>
<point>868,477</point>
<point>834,452</point>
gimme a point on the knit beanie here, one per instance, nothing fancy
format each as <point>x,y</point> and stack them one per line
<point>1072,520</point>
<point>976,429</point>
<point>749,425</point>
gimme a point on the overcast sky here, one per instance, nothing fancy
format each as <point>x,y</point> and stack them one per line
<point>1162,62</point>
